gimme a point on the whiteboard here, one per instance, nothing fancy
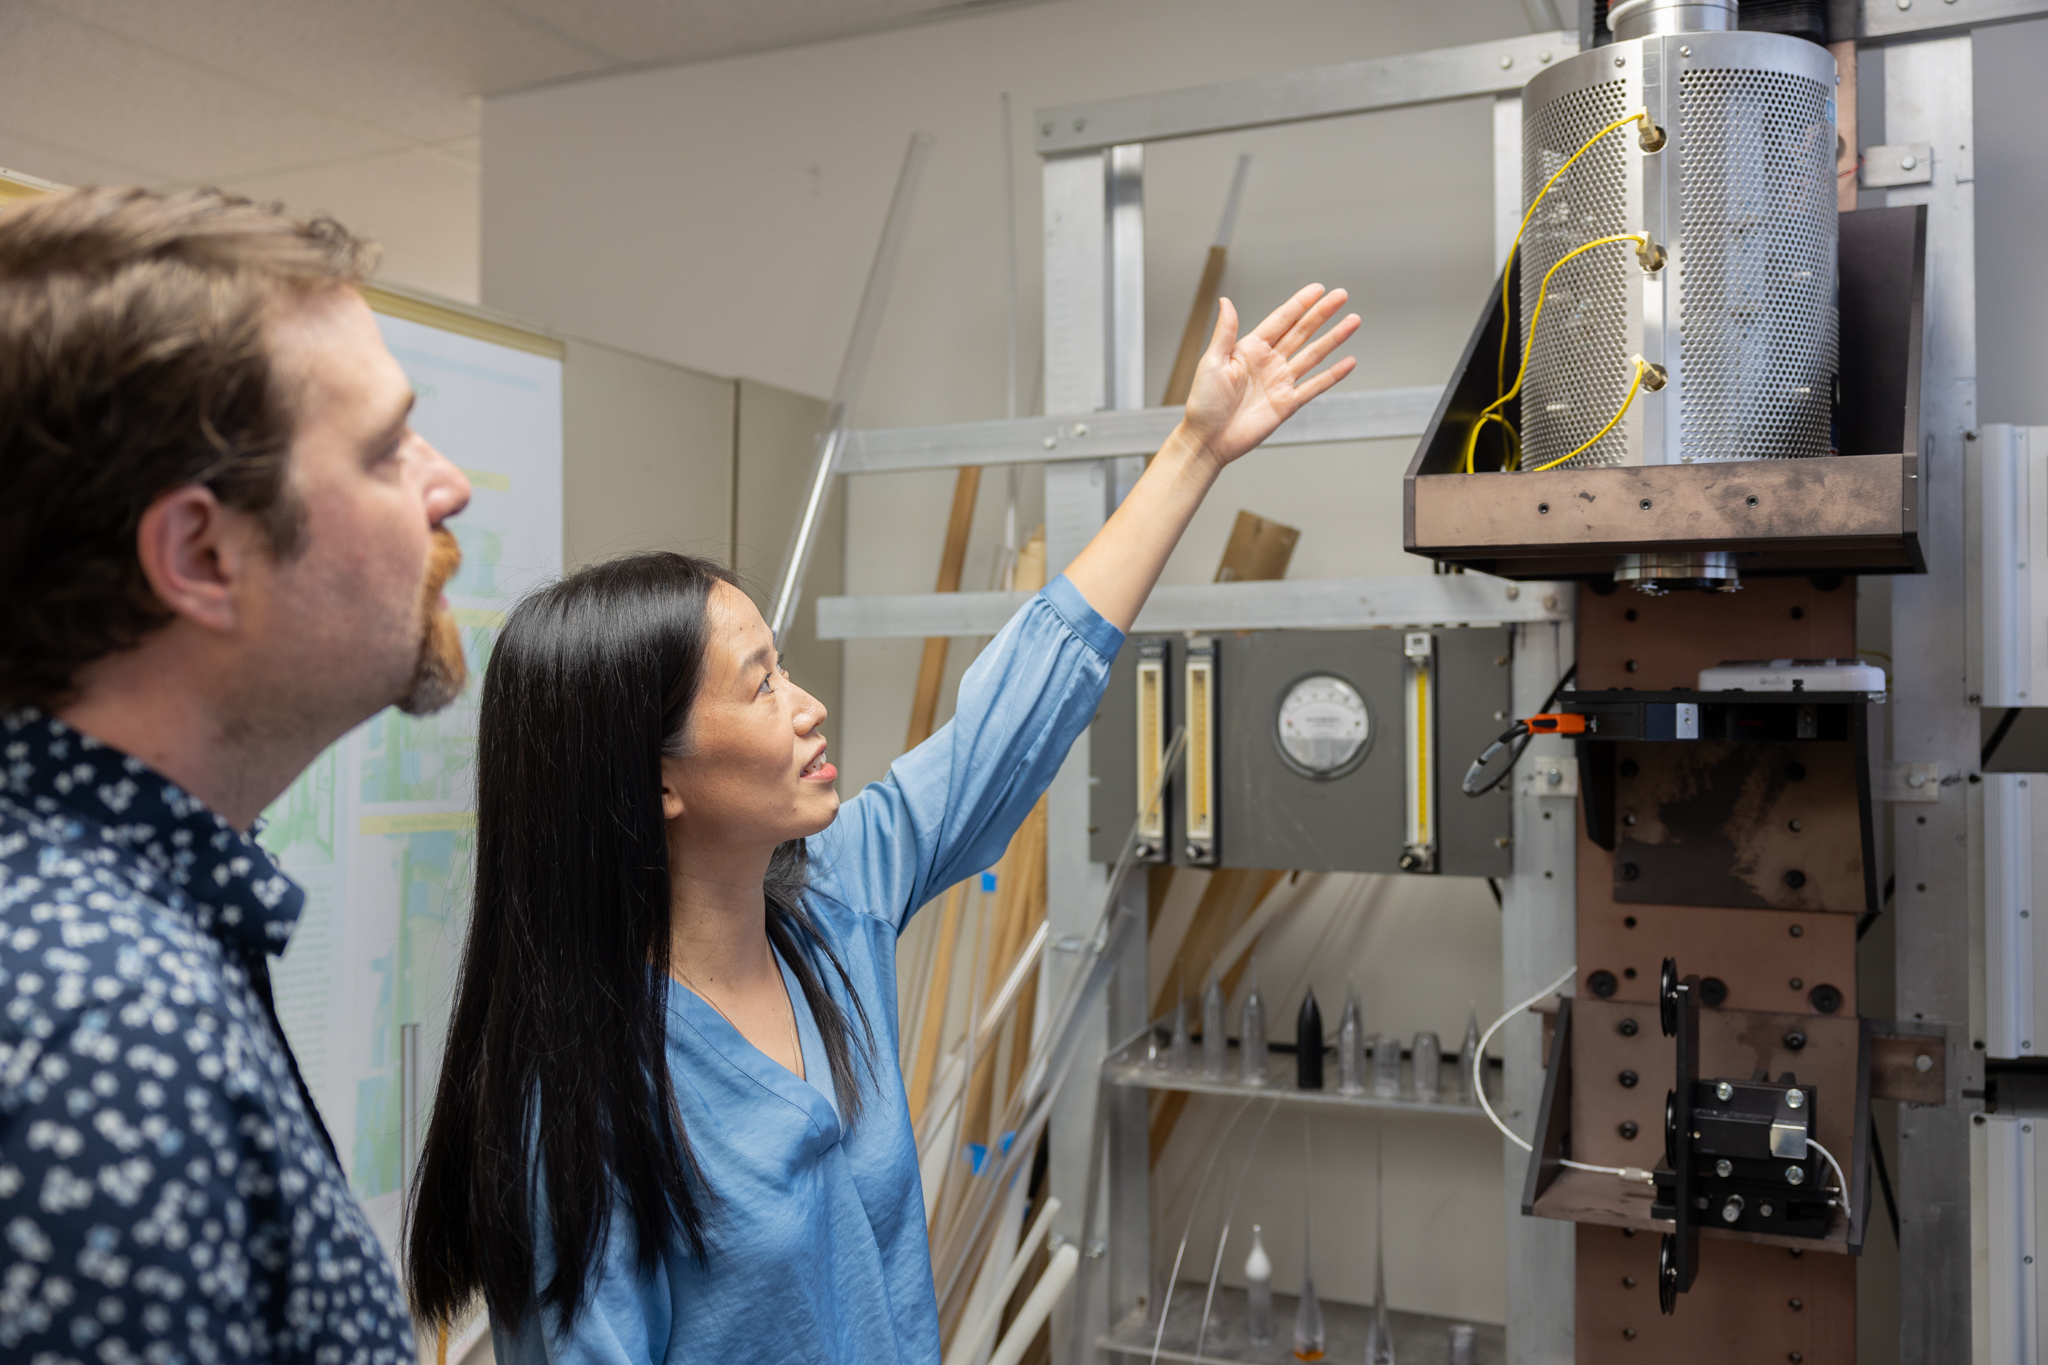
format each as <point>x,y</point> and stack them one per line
<point>381,828</point>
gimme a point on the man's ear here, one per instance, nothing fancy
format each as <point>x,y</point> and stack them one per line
<point>196,555</point>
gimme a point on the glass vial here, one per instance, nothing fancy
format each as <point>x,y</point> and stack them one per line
<point>1467,1058</point>
<point>1308,1044</point>
<point>1215,1046</point>
<point>1308,1314</point>
<point>1258,1292</point>
<point>1251,1034</point>
<point>1386,1067</point>
<point>1351,1050</point>
<point>1429,1066</point>
<point>1180,1053</point>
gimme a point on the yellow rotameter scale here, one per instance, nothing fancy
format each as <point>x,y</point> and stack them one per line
<point>1677,257</point>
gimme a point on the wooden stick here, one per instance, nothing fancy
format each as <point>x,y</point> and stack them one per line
<point>931,670</point>
<point>1194,338</point>
<point>933,1022</point>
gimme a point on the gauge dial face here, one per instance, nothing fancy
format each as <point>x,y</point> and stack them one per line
<point>1323,726</point>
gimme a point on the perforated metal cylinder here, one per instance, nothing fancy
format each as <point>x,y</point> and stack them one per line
<point>1741,197</point>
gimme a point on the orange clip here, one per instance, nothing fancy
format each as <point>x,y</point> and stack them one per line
<point>1557,724</point>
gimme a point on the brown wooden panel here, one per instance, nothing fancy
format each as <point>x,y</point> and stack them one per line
<point>1752,825</point>
<point>1734,1043</point>
<point>1754,952</point>
<point>1870,500</point>
<point>1627,639</point>
<point>1750,1303</point>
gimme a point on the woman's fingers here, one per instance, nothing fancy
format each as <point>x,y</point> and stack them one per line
<point>1311,321</point>
<point>1224,339</point>
<point>1317,351</point>
<point>1281,320</point>
<point>1315,384</point>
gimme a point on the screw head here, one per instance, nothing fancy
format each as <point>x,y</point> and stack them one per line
<point>1923,1062</point>
<point>1795,1099</point>
<point>1644,504</point>
<point>1621,61</point>
<point>1795,1175</point>
<point>1194,851</point>
<point>1724,1091</point>
<point>1908,162</point>
<point>1045,130</point>
<point>1506,62</point>
<point>1050,442</point>
<point>1724,1168</point>
<point>1080,428</point>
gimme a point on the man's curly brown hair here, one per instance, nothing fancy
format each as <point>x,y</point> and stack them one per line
<point>134,360</point>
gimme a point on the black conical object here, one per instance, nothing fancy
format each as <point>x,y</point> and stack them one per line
<point>1308,1044</point>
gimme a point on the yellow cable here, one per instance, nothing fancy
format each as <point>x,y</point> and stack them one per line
<point>1491,411</point>
<point>1640,117</point>
<point>1642,368</point>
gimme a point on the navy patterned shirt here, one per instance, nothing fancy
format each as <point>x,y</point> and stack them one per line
<point>167,1193</point>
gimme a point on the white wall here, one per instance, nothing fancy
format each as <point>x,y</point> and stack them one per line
<point>722,216</point>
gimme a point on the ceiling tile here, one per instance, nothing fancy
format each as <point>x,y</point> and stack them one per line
<point>63,164</point>
<point>399,65</point>
<point>70,85</point>
<point>636,32</point>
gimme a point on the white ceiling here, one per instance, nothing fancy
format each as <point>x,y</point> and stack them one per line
<point>368,109</point>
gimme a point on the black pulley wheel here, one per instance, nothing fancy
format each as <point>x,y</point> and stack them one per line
<point>1667,998</point>
<point>1667,1274</point>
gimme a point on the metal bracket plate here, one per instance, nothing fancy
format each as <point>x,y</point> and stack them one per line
<point>1919,782</point>
<point>1910,163</point>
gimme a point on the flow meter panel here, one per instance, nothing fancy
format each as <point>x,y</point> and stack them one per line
<point>1323,726</point>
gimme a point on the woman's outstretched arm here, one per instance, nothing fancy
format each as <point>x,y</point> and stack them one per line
<point>1244,388</point>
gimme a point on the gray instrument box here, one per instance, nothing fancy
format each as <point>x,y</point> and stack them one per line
<point>1269,814</point>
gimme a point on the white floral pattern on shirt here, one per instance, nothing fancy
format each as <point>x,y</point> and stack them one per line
<point>164,1194</point>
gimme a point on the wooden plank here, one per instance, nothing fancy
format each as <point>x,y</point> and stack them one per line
<point>926,1060</point>
<point>931,670</point>
<point>1194,338</point>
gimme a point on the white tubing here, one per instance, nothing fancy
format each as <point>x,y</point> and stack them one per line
<point>1841,1183</point>
<point>1479,1068</point>
<point>969,1344</point>
<point>1039,1306</point>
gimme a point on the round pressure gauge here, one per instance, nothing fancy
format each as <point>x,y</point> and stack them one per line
<point>1323,727</point>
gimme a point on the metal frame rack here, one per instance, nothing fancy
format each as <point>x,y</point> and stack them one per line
<point>1093,169</point>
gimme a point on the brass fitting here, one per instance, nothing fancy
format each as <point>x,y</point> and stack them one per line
<point>1649,254</point>
<point>1655,376</point>
<point>1648,135</point>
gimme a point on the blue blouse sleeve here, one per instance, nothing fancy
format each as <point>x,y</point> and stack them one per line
<point>947,808</point>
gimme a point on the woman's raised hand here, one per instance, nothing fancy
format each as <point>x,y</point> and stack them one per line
<point>1245,387</point>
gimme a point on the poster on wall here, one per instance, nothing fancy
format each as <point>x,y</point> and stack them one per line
<point>381,829</point>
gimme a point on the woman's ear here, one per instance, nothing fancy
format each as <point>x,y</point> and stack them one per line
<point>671,788</point>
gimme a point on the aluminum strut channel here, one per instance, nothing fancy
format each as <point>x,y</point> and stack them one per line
<point>1880,20</point>
<point>1301,604</point>
<point>1370,415</point>
<point>1449,73</point>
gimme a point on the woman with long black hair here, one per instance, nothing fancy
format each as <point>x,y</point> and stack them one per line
<point>670,1124</point>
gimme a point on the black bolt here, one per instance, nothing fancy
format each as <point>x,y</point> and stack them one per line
<point>1628,1282</point>
<point>1629,972</point>
<point>1798,931</point>
<point>1825,998</point>
<point>1630,665</point>
<point>1628,768</point>
<point>1799,613</point>
<point>1628,1080</point>
<point>1629,1130</point>
<point>1626,1028</point>
<point>1796,771</point>
<point>1795,879</point>
<point>1603,984</point>
<point>1793,1040</point>
<point>1797,984</point>
<point>1713,992</point>
<point>1644,504</point>
<point>1629,872</point>
<point>1797,1305</point>
<point>1629,615</point>
<point>1628,922</point>
<point>1750,501</point>
<point>1542,508</point>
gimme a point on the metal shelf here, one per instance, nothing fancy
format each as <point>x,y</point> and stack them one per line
<point>1419,1338</point>
<point>1131,1066</point>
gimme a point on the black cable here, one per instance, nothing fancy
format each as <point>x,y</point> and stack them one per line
<point>2012,713</point>
<point>1884,1182</point>
<point>1494,886</point>
<point>1519,729</point>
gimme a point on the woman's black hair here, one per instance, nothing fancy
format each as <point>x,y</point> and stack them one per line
<point>556,1048</point>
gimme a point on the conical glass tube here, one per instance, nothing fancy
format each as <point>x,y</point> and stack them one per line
<point>1180,1053</point>
<point>1215,1046</point>
<point>1386,1067</point>
<point>1258,1292</point>
<point>1467,1055</point>
<point>1251,1034</point>
<point>1308,1313</point>
<point>1351,1049</point>
<point>1429,1066</point>
<point>1379,1338</point>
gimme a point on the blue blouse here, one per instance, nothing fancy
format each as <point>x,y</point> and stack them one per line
<point>818,1247</point>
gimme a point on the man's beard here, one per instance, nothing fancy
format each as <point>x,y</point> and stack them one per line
<point>440,672</point>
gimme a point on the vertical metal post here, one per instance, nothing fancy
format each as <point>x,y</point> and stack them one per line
<point>409,1102</point>
<point>1507,177</point>
<point>1126,300</point>
<point>1538,936</point>
<point>1928,98</point>
<point>2012,1171</point>
<point>1076,192</point>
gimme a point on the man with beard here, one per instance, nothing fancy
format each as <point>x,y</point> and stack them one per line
<point>221,547</point>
